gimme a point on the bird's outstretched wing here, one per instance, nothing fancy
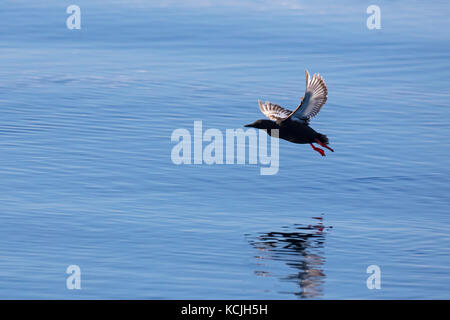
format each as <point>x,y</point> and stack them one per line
<point>273,111</point>
<point>315,97</point>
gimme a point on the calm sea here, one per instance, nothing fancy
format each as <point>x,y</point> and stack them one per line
<point>87,179</point>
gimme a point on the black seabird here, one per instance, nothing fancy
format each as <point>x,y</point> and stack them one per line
<point>294,126</point>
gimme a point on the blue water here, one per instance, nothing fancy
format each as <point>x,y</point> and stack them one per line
<point>86,176</point>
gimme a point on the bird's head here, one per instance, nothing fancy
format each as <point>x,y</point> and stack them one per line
<point>262,124</point>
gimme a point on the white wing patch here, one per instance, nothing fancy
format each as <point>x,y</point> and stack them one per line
<point>315,97</point>
<point>273,111</point>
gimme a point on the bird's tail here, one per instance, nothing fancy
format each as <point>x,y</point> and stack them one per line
<point>322,138</point>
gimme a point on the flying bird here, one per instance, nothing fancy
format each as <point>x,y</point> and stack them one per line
<point>294,126</point>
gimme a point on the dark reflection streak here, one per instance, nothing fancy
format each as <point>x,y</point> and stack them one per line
<point>300,249</point>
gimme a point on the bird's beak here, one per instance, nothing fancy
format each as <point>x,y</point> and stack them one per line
<point>249,125</point>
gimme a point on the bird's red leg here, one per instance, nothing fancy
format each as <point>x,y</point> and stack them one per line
<point>324,145</point>
<point>318,150</point>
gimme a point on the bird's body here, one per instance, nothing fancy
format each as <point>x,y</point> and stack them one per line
<point>293,126</point>
<point>297,132</point>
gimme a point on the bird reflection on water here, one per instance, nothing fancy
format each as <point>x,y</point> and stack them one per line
<point>301,248</point>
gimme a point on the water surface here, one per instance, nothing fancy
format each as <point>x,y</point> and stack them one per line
<point>86,176</point>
